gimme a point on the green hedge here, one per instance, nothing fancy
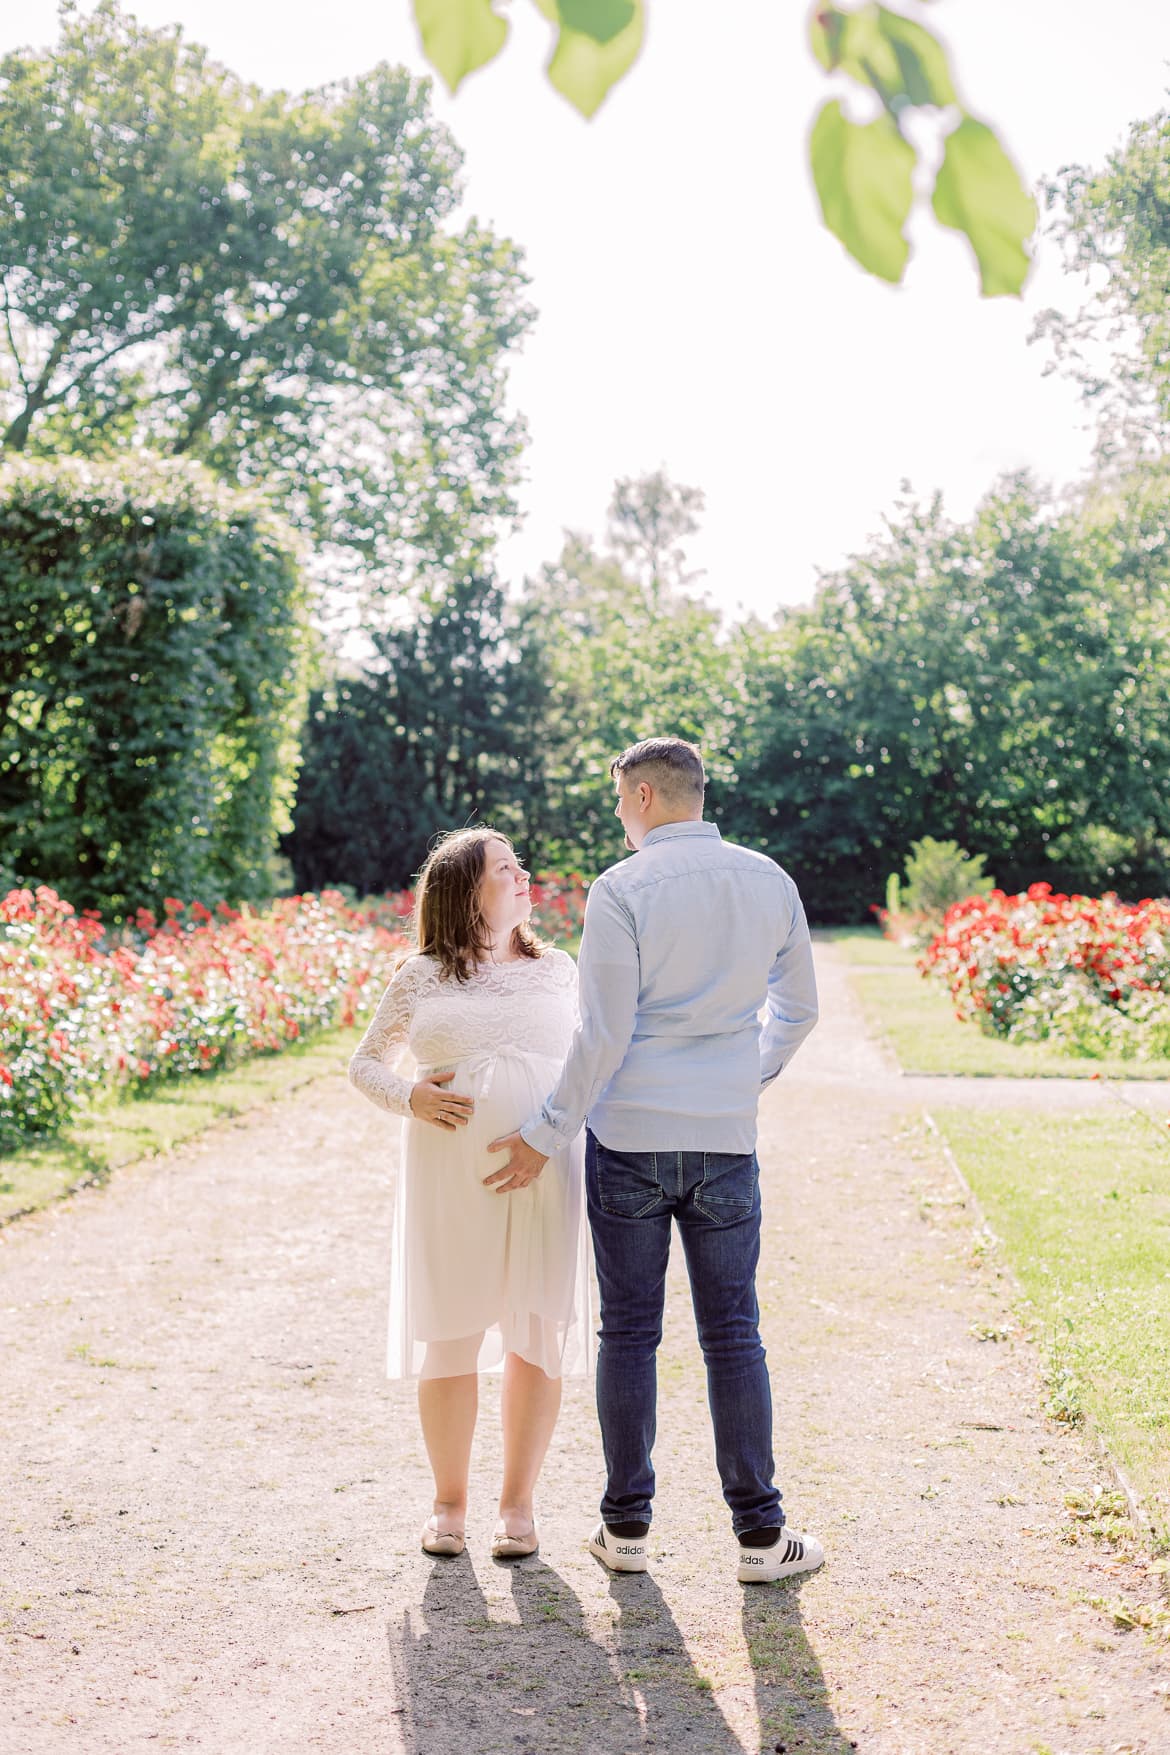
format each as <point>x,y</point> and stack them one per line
<point>152,652</point>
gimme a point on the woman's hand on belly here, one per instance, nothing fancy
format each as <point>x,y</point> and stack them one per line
<point>441,1108</point>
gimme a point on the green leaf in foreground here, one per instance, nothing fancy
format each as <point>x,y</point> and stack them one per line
<point>922,60</point>
<point>979,192</point>
<point>458,36</point>
<point>582,68</point>
<point>895,56</point>
<point>600,19</point>
<point>862,174</point>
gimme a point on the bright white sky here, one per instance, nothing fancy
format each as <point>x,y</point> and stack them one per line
<point>693,311</point>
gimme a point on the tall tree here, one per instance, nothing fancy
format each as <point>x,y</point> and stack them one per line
<point>1114,226</point>
<point>628,653</point>
<point>441,729</point>
<point>1005,683</point>
<point>274,285</point>
<point>650,518</point>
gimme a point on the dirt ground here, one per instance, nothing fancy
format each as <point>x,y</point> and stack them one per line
<point>209,1522</point>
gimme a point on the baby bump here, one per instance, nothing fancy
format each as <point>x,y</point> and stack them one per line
<point>508,1089</point>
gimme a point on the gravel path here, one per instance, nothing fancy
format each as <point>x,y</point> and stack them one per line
<point>208,1530</point>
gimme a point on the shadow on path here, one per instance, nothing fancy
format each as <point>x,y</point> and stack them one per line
<point>469,1682</point>
<point>525,1673</point>
<point>669,1703</point>
<point>791,1697</point>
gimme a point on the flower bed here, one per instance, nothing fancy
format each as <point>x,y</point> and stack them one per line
<point>82,1013</point>
<point>558,904</point>
<point>1091,971</point>
<point>85,1013</point>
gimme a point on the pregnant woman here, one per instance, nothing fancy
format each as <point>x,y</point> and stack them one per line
<point>482,1276</point>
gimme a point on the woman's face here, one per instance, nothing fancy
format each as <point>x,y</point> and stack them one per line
<point>503,889</point>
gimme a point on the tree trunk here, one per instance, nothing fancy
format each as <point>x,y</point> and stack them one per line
<point>17,434</point>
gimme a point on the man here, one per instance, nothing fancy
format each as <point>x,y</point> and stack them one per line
<point>682,946</point>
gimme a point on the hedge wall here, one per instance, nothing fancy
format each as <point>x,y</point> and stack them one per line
<point>152,656</point>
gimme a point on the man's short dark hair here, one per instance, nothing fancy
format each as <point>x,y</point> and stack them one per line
<point>672,766</point>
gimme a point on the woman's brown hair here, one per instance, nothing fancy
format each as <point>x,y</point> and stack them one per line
<point>448,922</point>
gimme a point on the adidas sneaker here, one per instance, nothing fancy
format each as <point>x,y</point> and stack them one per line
<point>786,1557</point>
<point>619,1553</point>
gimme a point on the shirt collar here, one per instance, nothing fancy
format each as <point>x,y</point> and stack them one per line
<point>669,831</point>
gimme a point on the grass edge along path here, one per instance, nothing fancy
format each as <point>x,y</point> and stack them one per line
<point>112,1135</point>
<point>915,1019</point>
<point>1081,1207</point>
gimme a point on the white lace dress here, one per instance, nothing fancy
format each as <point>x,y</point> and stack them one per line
<point>467,1261</point>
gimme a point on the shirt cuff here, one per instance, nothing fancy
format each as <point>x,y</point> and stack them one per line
<point>543,1137</point>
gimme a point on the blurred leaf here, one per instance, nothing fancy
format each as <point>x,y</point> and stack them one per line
<point>922,60</point>
<point>979,192</point>
<point>602,20</point>
<point>899,59</point>
<point>863,178</point>
<point>459,36</point>
<point>583,69</point>
<point>824,34</point>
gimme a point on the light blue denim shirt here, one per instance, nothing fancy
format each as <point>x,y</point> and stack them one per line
<point>684,944</point>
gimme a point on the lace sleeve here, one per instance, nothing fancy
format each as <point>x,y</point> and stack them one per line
<point>371,1067</point>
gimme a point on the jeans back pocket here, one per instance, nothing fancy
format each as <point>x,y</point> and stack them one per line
<point>627,1182</point>
<point>729,1189</point>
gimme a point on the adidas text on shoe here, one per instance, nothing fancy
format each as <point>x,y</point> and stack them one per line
<point>788,1556</point>
<point>619,1553</point>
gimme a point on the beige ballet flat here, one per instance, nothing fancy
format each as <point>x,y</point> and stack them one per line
<point>450,1542</point>
<point>506,1547</point>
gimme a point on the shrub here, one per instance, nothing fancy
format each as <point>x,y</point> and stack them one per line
<point>151,657</point>
<point>941,873</point>
<point>938,873</point>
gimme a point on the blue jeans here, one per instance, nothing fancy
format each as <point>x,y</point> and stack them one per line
<point>714,1197</point>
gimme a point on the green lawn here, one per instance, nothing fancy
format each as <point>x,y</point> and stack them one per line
<point>915,1018</point>
<point>1081,1204</point>
<point>864,946</point>
<point>105,1138</point>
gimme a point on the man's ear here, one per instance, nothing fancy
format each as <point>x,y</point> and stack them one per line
<point>645,795</point>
